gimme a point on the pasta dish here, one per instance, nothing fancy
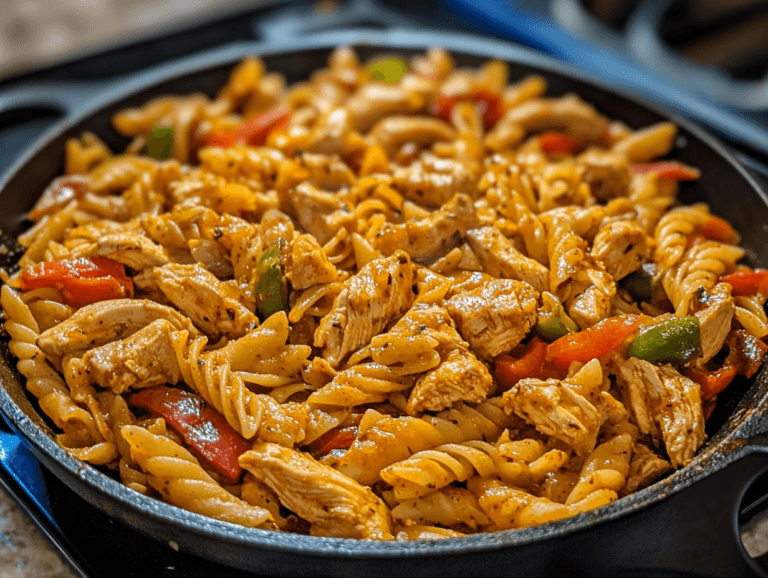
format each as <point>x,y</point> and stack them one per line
<point>399,300</point>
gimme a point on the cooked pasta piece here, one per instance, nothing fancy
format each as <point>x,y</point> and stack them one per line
<point>178,476</point>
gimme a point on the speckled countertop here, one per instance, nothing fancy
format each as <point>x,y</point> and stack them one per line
<point>24,551</point>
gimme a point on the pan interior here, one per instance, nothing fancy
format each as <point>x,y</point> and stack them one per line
<point>724,186</point>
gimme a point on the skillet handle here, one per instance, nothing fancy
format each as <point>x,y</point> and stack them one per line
<point>693,532</point>
<point>59,98</point>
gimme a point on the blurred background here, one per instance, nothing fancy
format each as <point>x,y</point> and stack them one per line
<point>718,48</point>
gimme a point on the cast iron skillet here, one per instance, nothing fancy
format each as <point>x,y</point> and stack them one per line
<point>684,524</point>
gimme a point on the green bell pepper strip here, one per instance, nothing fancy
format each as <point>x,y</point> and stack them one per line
<point>676,340</point>
<point>553,321</point>
<point>271,288</point>
<point>160,144</point>
<point>642,285</point>
<point>389,70</point>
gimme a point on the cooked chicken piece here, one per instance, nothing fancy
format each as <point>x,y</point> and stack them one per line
<point>592,295</point>
<point>560,408</point>
<point>331,133</point>
<point>376,100</point>
<point>200,295</point>
<point>383,289</point>
<point>607,173</point>
<point>460,377</point>
<point>394,131</point>
<point>135,251</point>
<point>499,258</point>
<point>106,321</point>
<point>144,359</point>
<point>644,468</point>
<point>335,505</point>
<point>433,181</point>
<point>715,320</point>
<point>496,316</point>
<point>318,211</point>
<point>662,400</point>
<point>621,246</point>
<point>569,114</point>
<point>428,239</point>
<point>307,264</point>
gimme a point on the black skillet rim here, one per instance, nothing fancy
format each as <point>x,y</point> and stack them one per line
<point>727,446</point>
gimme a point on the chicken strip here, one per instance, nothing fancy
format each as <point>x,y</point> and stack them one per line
<point>199,294</point>
<point>499,258</point>
<point>383,289</point>
<point>621,246</point>
<point>307,264</point>
<point>320,213</point>
<point>460,377</point>
<point>715,320</point>
<point>335,505</point>
<point>144,359</point>
<point>135,251</point>
<point>664,402</point>
<point>496,316</point>
<point>432,181</point>
<point>106,321</point>
<point>607,173</point>
<point>560,408</point>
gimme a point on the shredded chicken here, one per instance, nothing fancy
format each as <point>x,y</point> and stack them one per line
<point>644,468</point>
<point>666,404</point>
<point>383,289</point>
<point>335,505</point>
<point>204,298</point>
<point>496,316</point>
<point>499,258</point>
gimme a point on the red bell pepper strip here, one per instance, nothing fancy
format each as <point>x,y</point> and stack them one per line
<point>747,282</point>
<point>591,343</point>
<point>668,170</point>
<point>253,132</point>
<point>488,103</point>
<point>210,437</point>
<point>712,382</point>
<point>509,370</point>
<point>443,106</point>
<point>717,229</point>
<point>336,439</point>
<point>557,143</point>
<point>80,281</point>
<point>744,358</point>
<point>490,107</point>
